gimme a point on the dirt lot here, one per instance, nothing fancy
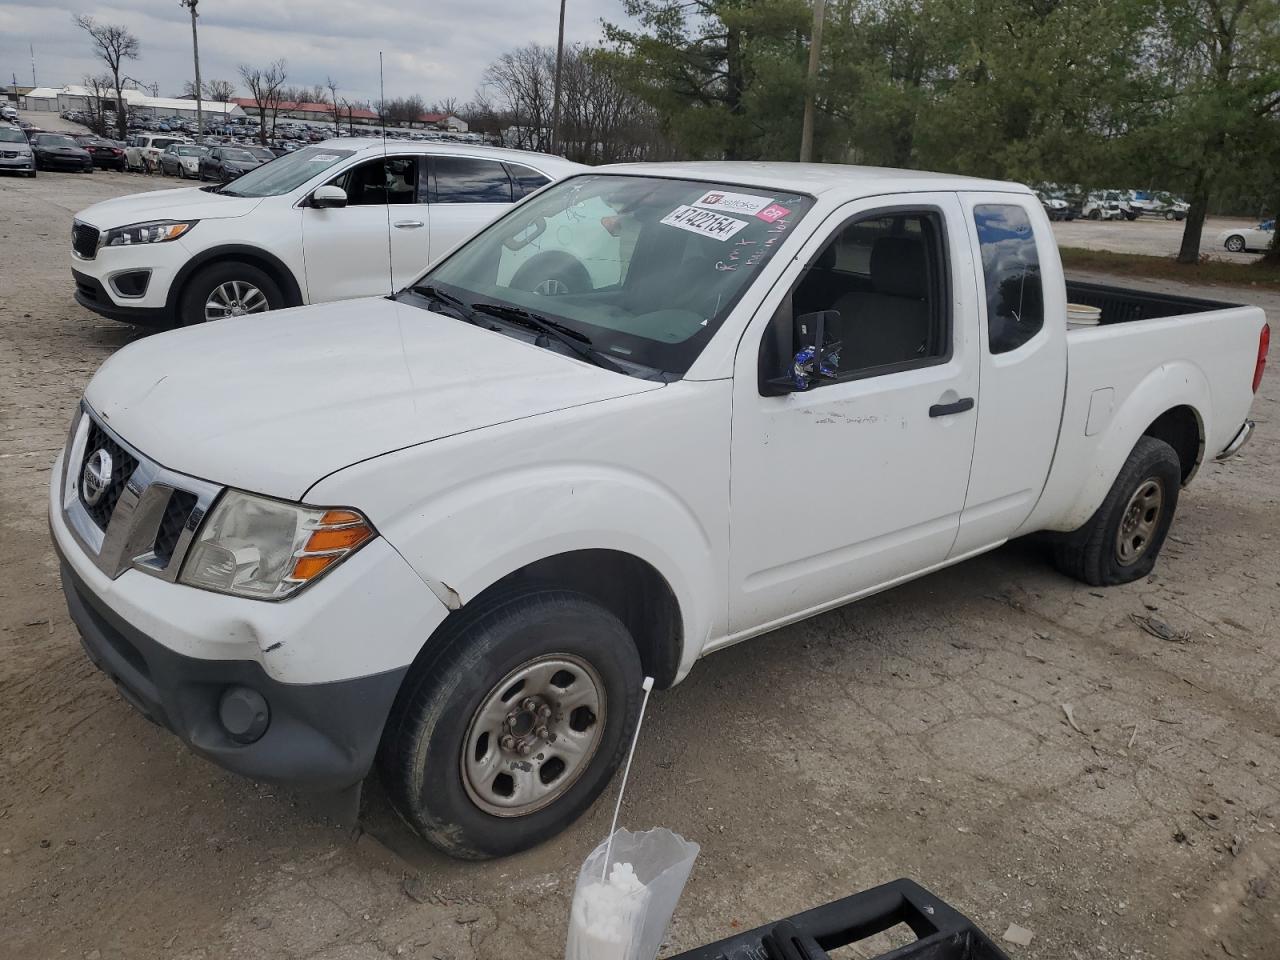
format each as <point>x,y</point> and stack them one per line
<point>1148,235</point>
<point>921,734</point>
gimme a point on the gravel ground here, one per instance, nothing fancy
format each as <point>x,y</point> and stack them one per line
<point>1157,238</point>
<point>921,733</point>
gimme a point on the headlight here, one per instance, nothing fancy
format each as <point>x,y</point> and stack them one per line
<point>267,549</point>
<point>157,231</point>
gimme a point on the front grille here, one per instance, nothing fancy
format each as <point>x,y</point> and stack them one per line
<point>123,464</point>
<point>10,154</point>
<point>84,240</point>
<point>175,518</point>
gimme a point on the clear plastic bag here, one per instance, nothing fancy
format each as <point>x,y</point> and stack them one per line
<point>625,916</point>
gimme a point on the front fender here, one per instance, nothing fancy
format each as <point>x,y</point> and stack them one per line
<point>1174,384</point>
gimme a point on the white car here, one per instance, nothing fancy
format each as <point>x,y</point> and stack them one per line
<point>1248,239</point>
<point>142,151</point>
<point>348,218</point>
<point>454,529</point>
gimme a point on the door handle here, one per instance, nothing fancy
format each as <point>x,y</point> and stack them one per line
<point>409,224</point>
<point>947,409</point>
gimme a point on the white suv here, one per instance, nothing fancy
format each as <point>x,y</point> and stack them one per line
<point>142,151</point>
<point>345,218</point>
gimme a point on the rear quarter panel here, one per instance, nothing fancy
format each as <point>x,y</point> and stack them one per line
<point>1204,361</point>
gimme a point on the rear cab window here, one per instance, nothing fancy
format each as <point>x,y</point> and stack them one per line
<point>1011,270</point>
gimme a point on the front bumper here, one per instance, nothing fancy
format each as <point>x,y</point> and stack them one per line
<point>320,736</point>
<point>93,295</point>
<point>18,163</point>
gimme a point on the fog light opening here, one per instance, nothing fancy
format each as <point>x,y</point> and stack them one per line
<point>244,714</point>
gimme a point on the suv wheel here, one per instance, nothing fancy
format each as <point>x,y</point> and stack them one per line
<point>513,724</point>
<point>228,289</point>
<point>1122,539</point>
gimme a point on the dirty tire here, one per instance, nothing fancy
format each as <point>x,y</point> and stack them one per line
<point>199,287</point>
<point>421,754</point>
<point>1089,554</point>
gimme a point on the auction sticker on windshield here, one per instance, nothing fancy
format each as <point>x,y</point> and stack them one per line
<point>732,202</point>
<point>714,225</point>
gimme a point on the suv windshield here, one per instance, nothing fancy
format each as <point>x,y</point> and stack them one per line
<point>8,135</point>
<point>643,270</point>
<point>287,173</point>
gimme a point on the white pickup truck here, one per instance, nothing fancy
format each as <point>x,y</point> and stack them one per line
<point>451,530</point>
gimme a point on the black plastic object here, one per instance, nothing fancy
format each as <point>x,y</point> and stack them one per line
<point>943,933</point>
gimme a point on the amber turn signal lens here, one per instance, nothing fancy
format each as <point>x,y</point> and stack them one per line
<point>308,567</point>
<point>344,538</point>
<point>337,534</point>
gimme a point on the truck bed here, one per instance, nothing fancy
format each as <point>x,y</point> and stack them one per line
<point>1125,305</point>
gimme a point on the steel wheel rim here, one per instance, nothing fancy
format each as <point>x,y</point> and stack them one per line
<point>533,735</point>
<point>234,298</point>
<point>1139,521</point>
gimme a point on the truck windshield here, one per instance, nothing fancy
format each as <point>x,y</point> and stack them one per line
<point>643,270</point>
<point>287,173</point>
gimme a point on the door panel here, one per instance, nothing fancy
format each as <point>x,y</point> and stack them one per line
<point>346,252</point>
<point>1020,410</point>
<point>852,484</point>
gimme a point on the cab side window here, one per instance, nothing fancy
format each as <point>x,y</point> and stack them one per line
<point>885,276</point>
<point>1011,268</point>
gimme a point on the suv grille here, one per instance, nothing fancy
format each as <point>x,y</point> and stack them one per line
<point>84,240</point>
<point>123,464</point>
<point>175,517</point>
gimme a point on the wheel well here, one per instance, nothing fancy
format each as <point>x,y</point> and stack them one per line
<point>628,587</point>
<point>264,261</point>
<point>1181,429</point>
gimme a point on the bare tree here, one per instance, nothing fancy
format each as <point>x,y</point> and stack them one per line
<point>449,106</point>
<point>220,92</point>
<point>99,88</point>
<point>523,81</point>
<point>332,85</point>
<point>403,109</point>
<point>266,86</point>
<point>113,44</point>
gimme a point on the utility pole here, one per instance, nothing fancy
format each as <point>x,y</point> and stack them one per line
<point>815,58</point>
<point>195,51</point>
<point>32,48</point>
<point>555,101</point>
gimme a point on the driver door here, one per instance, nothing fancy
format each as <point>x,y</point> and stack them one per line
<point>378,242</point>
<point>859,481</point>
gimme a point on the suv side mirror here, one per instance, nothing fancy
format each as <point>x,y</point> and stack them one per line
<point>328,196</point>
<point>816,339</point>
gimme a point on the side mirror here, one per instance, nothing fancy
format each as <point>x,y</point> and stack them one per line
<point>328,196</point>
<point>817,341</point>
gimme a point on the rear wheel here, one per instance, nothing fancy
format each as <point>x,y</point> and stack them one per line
<point>513,724</point>
<point>228,289</point>
<point>1122,540</point>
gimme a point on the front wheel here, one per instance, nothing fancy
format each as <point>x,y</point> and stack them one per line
<point>1235,243</point>
<point>228,289</point>
<point>1122,540</point>
<point>514,723</point>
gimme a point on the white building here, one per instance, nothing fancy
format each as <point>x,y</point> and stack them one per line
<point>75,97</point>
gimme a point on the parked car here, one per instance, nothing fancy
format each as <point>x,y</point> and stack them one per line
<point>309,227</point>
<point>1242,239</point>
<point>15,152</point>
<point>142,151</point>
<point>106,153</point>
<point>1055,208</point>
<point>717,334</point>
<point>1106,205</point>
<point>224,164</point>
<point>182,160</point>
<point>9,113</point>
<point>57,151</point>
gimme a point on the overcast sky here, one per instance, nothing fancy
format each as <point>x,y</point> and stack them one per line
<point>436,48</point>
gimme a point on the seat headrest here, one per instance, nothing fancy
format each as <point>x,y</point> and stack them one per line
<point>897,267</point>
<point>827,258</point>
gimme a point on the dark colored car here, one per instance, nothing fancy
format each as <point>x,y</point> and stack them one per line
<point>227,163</point>
<point>106,153</point>
<point>58,151</point>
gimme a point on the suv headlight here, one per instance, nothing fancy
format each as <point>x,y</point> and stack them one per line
<point>253,546</point>
<point>156,231</point>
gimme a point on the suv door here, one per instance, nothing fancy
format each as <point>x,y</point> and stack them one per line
<point>378,242</point>
<point>466,193</point>
<point>859,481</point>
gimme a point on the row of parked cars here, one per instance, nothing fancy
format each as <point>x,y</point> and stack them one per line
<point>1072,203</point>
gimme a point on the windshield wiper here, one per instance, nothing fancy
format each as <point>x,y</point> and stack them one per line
<point>432,292</point>
<point>575,340</point>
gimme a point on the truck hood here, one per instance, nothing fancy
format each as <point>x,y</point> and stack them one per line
<point>273,402</point>
<point>185,203</point>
